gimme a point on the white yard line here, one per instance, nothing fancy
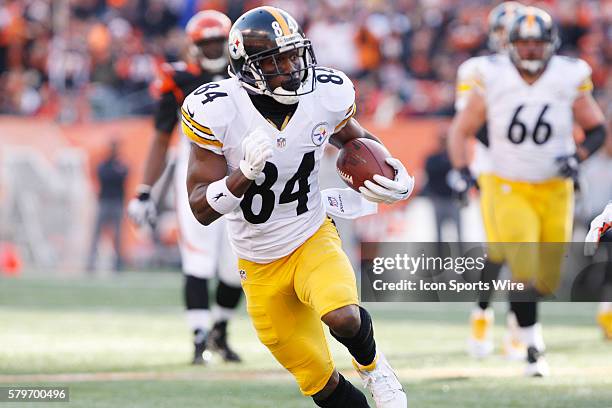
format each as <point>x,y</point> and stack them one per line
<point>432,373</point>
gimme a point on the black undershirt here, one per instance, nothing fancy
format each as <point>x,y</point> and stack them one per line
<point>272,110</point>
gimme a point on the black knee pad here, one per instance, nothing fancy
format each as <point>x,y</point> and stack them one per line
<point>526,313</point>
<point>196,293</point>
<point>228,296</point>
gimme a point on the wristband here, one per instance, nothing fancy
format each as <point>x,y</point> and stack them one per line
<point>220,198</point>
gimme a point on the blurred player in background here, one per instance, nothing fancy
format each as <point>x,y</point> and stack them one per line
<point>204,250</point>
<point>601,231</point>
<point>480,343</point>
<point>267,127</point>
<point>530,100</point>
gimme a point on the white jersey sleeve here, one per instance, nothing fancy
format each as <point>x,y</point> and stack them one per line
<point>581,77</point>
<point>468,79</point>
<point>205,115</point>
<point>336,93</point>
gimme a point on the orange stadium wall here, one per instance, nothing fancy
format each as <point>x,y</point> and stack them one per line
<point>409,140</point>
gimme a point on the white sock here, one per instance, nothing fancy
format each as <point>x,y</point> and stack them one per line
<point>221,314</point>
<point>198,319</point>
<point>513,327</point>
<point>532,336</point>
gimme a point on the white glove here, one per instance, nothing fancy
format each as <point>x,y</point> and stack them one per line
<point>347,203</point>
<point>386,190</point>
<point>257,149</point>
<point>141,210</point>
<point>599,225</point>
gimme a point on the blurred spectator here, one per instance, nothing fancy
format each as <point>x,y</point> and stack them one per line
<point>446,207</point>
<point>402,54</point>
<point>111,174</point>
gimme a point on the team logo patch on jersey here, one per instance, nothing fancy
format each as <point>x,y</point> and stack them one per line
<point>236,44</point>
<point>319,133</point>
<point>242,273</point>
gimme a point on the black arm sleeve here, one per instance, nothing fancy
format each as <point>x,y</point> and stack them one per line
<point>594,138</point>
<point>483,135</point>
<point>166,114</point>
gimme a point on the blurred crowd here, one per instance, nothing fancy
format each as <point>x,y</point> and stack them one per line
<point>77,60</point>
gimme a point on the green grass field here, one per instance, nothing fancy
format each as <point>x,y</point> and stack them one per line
<point>123,342</point>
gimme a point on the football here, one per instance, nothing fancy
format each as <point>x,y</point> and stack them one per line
<point>360,159</point>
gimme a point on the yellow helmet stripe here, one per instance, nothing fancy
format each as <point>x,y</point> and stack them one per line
<point>531,19</point>
<point>279,17</point>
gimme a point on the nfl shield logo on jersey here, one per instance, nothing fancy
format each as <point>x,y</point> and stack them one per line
<point>242,273</point>
<point>281,143</point>
<point>319,133</point>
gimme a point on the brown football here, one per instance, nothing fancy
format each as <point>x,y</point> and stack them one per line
<point>360,159</point>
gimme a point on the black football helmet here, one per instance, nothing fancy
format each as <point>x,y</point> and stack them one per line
<point>533,24</point>
<point>265,33</point>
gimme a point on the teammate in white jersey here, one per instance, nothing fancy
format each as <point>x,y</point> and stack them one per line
<point>530,100</point>
<point>257,143</point>
<point>204,251</point>
<point>480,342</point>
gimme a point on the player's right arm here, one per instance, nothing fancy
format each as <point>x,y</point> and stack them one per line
<point>465,125</point>
<point>212,192</point>
<point>204,169</point>
<point>141,209</point>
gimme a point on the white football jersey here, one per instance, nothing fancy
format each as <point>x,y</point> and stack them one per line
<point>283,207</point>
<point>467,74</point>
<point>530,126</point>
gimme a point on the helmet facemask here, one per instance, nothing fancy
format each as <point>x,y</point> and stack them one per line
<point>299,81</point>
<point>533,26</point>
<point>533,65</point>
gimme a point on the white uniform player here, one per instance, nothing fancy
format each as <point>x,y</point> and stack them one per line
<point>530,126</point>
<point>258,142</point>
<point>530,100</point>
<point>289,209</point>
<point>205,251</point>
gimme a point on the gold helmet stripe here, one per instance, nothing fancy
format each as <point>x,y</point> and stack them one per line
<point>279,17</point>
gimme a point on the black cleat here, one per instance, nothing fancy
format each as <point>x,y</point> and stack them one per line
<point>217,341</point>
<point>200,355</point>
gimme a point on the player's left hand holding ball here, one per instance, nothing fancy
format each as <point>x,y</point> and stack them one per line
<point>385,190</point>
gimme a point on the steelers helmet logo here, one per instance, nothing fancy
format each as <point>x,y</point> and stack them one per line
<point>320,133</point>
<point>236,44</point>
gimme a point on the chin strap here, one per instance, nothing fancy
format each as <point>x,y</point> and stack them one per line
<point>284,96</point>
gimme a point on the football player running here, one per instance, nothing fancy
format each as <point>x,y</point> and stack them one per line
<point>204,250</point>
<point>258,139</point>
<point>530,100</point>
<point>480,342</point>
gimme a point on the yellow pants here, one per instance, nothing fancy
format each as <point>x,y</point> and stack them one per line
<point>486,184</point>
<point>287,298</point>
<point>531,213</point>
